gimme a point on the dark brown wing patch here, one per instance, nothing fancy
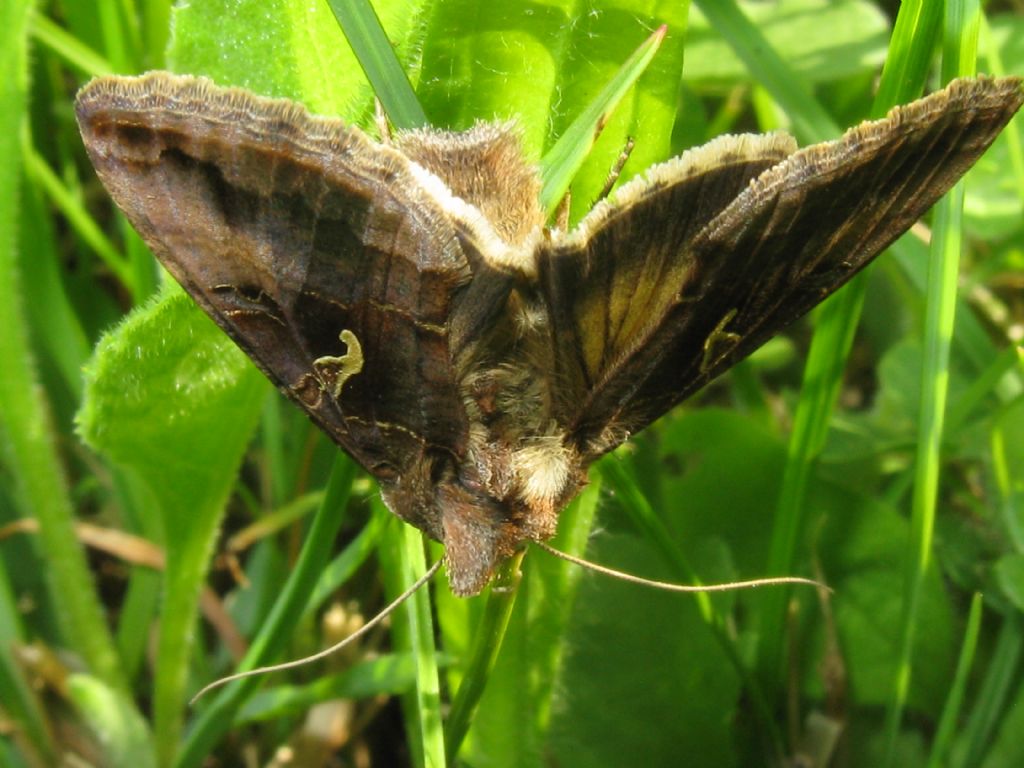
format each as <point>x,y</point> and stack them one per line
<point>289,230</point>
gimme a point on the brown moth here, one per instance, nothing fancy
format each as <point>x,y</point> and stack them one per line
<point>411,300</point>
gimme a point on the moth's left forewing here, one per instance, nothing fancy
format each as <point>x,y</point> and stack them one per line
<point>317,250</point>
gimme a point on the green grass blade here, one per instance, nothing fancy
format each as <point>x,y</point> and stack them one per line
<point>1012,132</point>
<point>421,636</point>
<point>342,567</point>
<point>561,587</point>
<point>970,401</point>
<point>961,28</point>
<point>510,704</point>
<point>271,440</point>
<point>78,217</point>
<point>117,39</point>
<point>643,516</point>
<point>958,690</point>
<point>54,319</point>
<point>380,676</point>
<point>370,44</point>
<point>155,31</point>
<point>483,655</point>
<point>906,66</point>
<point>68,47</point>
<point>833,338</point>
<point>23,706</point>
<point>563,160</point>
<point>811,122</point>
<point>402,562</point>
<point>218,717</point>
<point>1001,678</point>
<point>27,426</point>
<point>959,56</point>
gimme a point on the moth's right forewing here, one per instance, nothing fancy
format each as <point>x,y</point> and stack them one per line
<point>612,283</point>
<point>288,230</point>
<point>639,340</point>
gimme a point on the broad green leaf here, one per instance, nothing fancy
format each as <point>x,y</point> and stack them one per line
<point>174,402</point>
<point>613,708</point>
<point>158,382</point>
<point>864,543</point>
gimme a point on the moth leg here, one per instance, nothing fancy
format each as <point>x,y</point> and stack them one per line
<point>562,212</point>
<point>333,372</point>
<point>616,169</point>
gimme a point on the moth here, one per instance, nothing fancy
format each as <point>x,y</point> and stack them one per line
<point>411,299</point>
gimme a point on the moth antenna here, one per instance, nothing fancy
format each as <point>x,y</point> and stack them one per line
<point>387,611</point>
<point>668,586</point>
<point>617,166</point>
